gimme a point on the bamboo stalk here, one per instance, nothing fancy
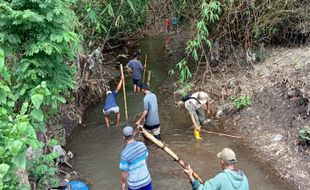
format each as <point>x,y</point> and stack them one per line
<point>221,134</point>
<point>144,69</point>
<point>168,151</point>
<point>149,79</point>
<point>124,92</point>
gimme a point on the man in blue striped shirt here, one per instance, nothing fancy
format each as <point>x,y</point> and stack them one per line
<point>133,163</point>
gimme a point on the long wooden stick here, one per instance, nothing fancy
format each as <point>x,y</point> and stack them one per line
<point>124,92</point>
<point>221,134</point>
<point>168,151</point>
<point>149,79</point>
<point>144,69</point>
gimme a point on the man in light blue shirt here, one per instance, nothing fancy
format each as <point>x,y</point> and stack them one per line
<point>135,66</point>
<point>229,179</point>
<point>150,112</point>
<point>110,105</point>
<point>133,163</point>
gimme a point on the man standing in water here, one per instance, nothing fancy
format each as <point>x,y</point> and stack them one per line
<point>133,163</point>
<point>110,105</point>
<point>229,179</point>
<point>135,67</point>
<point>197,105</point>
<point>150,112</point>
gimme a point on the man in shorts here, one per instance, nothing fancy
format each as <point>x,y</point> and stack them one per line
<point>110,105</point>
<point>135,67</point>
<point>150,112</point>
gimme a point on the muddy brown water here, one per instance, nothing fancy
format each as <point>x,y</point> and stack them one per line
<point>97,148</point>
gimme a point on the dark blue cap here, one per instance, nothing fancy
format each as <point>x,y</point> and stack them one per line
<point>144,86</point>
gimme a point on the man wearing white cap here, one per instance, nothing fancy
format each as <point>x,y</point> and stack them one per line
<point>110,105</point>
<point>229,179</point>
<point>133,163</point>
<point>197,105</point>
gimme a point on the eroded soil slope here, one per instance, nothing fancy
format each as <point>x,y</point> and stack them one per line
<point>280,90</point>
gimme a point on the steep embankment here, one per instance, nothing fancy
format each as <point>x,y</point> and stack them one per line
<point>280,90</point>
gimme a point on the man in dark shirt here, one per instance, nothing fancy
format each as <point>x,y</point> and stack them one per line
<point>110,105</point>
<point>136,68</point>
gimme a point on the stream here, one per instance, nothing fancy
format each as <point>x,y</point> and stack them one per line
<point>97,148</point>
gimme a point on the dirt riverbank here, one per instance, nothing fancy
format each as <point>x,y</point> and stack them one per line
<point>280,90</point>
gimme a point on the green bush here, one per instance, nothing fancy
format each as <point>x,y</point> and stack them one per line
<point>242,101</point>
<point>304,135</point>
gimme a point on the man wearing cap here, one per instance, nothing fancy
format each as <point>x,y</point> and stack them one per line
<point>136,68</point>
<point>110,105</point>
<point>197,105</point>
<point>150,112</point>
<point>229,179</point>
<point>133,163</point>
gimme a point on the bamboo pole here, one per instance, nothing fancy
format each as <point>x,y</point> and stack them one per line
<point>149,79</point>
<point>168,151</point>
<point>221,134</point>
<point>144,69</point>
<point>124,92</point>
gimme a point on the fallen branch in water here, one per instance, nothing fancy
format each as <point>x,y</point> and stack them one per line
<point>167,150</point>
<point>221,134</point>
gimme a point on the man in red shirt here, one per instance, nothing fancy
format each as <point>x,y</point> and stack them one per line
<point>167,24</point>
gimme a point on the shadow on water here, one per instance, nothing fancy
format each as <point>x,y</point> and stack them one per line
<point>97,148</point>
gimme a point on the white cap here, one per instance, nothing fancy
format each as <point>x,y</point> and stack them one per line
<point>203,97</point>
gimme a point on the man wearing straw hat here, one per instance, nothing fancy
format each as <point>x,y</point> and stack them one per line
<point>133,163</point>
<point>229,179</point>
<point>110,105</point>
<point>197,105</point>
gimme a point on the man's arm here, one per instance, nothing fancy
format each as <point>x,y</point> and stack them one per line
<point>211,184</point>
<point>124,175</point>
<point>119,85</point>
<point>144,113</point>
<point>128,67</point>
<point>197,127</point>
<point>209,109</point>
<point>189,172</point>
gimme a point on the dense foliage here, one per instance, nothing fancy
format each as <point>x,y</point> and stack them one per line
<point>38,40</point>
<point>243,28</point>
<point>103,21</point>
<point>210,13</point>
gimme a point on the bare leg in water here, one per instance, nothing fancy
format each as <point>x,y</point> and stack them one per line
<point>118,118</point>
<point>107,120</point>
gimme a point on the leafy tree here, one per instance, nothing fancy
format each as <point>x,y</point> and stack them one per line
<point>38,40</point>
<point>107,20</point>
<point>210,13</point>
<point>37,37</point>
